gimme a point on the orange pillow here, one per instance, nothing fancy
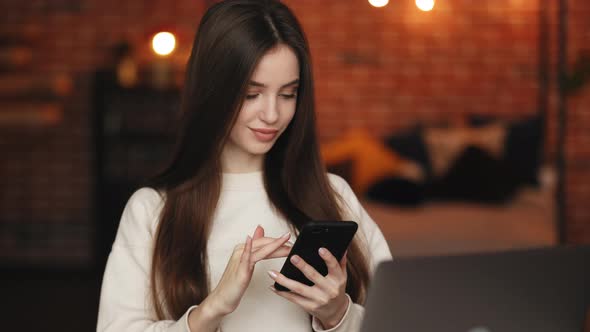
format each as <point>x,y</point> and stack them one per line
<point>371,159</point>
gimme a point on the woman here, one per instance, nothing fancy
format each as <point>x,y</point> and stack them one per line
<point>247,163</point>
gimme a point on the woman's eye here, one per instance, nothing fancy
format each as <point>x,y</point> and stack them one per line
<point>251,96</point>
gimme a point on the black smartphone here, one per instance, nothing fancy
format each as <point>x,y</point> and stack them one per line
<point>332,235</point>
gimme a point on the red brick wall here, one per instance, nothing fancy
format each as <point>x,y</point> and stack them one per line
<point>578,131</point>
<point>387,68</point>
<point>377,68</point>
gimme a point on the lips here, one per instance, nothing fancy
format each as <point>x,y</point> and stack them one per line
<point>264,134</point>
<point>265,131</point>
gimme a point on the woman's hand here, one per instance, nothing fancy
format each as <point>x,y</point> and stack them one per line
<point>226,297</point>
<point>326,300</point>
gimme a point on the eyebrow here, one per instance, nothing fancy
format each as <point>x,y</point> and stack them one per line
<point>254,83</point>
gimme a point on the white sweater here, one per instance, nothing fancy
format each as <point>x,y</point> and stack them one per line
<point>125,302</point>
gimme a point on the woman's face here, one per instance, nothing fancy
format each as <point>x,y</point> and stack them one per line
<point>267,109</point>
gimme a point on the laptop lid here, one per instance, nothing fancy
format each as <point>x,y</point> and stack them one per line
<point>541,290</point>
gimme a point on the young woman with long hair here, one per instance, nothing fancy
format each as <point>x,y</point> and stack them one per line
<point>199,248</point>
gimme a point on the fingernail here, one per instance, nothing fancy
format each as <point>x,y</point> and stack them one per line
<point>272,274</point>
<point>295,259</point>
<point>288,234</point>
<point>289,243</point>
<point>322,251</point>
<point>272,289</point>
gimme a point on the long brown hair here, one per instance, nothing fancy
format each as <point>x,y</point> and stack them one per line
<point>232,36</point>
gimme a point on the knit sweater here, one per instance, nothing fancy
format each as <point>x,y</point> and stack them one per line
<point>125,302</point>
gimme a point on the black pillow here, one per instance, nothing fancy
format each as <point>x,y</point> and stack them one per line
<point>410,145</point>
<point>475,176</point>
<point>523,149</point>
<point>523,145</point>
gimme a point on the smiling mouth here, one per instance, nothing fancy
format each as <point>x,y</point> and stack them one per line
<point>265,135</point>
<point>265,131</point>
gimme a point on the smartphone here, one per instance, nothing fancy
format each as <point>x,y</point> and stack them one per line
<point>332,235</point>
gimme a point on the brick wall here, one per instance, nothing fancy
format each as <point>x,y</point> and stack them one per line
<point>46,173</point>
<point>578,132</point>
<point>388,68</point>
<point>381,69</point>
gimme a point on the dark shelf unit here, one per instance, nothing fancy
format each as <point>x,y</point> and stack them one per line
<point>134,133</point>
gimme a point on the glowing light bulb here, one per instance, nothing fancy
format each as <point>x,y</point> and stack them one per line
<point>425,5</point>
<point>163,43</point>
<point>378,3</point>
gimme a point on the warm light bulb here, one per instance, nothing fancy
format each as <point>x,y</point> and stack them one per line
<point>163,43</point>
<point>425,5</point>
<point>378,3</point>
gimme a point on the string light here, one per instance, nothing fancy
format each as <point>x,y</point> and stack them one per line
<point>425,5</point>
<point>378,3</point>
<point>163,43</point>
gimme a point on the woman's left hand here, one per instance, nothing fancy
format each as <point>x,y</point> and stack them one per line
<point>326,300</point>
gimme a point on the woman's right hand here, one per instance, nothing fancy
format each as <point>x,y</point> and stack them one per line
<point>226,297</point>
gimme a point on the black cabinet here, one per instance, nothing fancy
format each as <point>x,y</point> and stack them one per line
<point>135,129</point>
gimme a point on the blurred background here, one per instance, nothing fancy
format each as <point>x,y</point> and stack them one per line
<point>463,126</point>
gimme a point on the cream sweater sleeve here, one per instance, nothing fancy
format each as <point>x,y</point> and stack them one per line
<point>377,250</point>
<point>125,303</point>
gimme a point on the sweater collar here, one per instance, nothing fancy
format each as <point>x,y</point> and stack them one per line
<point>243,181</point>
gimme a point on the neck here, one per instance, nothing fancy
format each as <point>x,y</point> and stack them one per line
<point>241,163</point>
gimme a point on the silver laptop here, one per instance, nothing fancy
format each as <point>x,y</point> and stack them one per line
<point>541,290</point>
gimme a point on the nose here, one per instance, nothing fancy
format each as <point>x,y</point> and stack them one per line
<point>269,112</point>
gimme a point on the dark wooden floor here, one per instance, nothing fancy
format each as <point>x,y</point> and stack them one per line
<point>49,300</point>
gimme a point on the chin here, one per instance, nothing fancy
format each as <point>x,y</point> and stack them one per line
<point>260,149</point>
